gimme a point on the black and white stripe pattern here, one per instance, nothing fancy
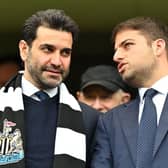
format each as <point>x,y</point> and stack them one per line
<point>70,137</point>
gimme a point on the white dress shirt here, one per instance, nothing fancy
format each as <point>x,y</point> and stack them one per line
<point>29,89</point>
<point>162,87</point>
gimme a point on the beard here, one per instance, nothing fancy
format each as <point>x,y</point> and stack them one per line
<point>41,78</point>
<point>140,76</point>
<point>47,82</point>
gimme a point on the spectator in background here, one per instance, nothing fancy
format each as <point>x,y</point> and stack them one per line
<point>9,66</point>
<point>103,88</point>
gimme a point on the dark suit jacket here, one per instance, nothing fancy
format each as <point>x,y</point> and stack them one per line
<point>90,118</point>
<point>116,138</point>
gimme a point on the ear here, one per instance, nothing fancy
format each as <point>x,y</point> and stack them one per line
<point>159,46</point>
<point>24,49</point>
<point>78,95</point>
<point>126,97</point>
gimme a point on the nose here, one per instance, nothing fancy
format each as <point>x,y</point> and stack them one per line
<point>116,56</point>
<point>96,104</point>
<point>56,59</point>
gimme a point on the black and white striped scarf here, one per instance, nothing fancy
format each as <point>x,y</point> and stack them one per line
<point>70,144</point>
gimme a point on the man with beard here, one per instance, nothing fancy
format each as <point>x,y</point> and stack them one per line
<point>135,135</point>
<point>51,125</point>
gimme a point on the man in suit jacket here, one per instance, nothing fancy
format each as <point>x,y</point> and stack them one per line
<point>141,52</point>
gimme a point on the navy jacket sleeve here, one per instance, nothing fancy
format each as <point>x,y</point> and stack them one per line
<point>102,157</point>
<point>90,118</point>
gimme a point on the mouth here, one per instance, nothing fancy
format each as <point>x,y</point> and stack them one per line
<point>54,72</point>
<point>121,67</point>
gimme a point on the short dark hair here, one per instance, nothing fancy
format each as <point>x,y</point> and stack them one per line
<point>50,18</point>
<point>152,28</point>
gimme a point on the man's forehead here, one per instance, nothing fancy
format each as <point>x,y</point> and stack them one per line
<point>54,38</point>
<point>125,35</point>
<point>43,32</point>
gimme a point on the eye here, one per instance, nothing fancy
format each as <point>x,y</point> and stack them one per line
<point>128,45</point>
<point>66,52</point>
<point>47,48</point>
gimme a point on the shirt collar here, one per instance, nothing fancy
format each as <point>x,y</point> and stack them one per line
<point>161,86</point>
<point>29,89</point>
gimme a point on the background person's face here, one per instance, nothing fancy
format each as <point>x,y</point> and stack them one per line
<point>47,62</point>
<point>100,98</point>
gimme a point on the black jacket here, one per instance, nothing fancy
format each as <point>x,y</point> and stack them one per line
<point>12,135</point>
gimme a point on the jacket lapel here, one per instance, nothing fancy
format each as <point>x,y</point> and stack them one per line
<point>129,119</point>
<point>162,128</point>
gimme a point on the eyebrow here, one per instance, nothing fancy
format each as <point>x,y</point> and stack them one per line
<point>53,47</point>
<point>66,50</point>
<point>47,45</point>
